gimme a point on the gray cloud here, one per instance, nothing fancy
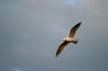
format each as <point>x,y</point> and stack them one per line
<point>32,30</point>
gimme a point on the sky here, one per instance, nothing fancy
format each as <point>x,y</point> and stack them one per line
<point>31,31</point>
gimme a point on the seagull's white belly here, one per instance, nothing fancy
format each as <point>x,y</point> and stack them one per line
<point>68,39</point>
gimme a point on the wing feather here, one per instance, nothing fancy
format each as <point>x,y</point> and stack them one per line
<point>61,47</point>
<point>74,29</point>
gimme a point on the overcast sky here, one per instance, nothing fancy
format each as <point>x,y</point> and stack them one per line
<point>31,31</point>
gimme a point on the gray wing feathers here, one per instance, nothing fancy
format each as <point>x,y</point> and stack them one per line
<point>74,29</point>
<point>61,47</point>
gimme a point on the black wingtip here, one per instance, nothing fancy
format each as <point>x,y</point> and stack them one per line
<point>80,23</point>
<point>57,54</point>
<point>77,25</point>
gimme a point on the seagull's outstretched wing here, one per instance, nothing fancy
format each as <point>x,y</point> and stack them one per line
<point>74,29</point>
<point>61,47</point>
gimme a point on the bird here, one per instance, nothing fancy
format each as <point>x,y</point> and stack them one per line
<point>69,39</point>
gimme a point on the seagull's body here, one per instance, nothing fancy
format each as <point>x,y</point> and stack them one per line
<point>69,39</point>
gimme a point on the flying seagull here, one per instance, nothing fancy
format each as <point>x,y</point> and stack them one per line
<point>69,39</point>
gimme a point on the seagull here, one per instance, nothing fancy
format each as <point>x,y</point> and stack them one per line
<point>69,39</point>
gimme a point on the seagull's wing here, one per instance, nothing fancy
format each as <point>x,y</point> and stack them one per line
<point>61,47</point>
<point>74,29</point>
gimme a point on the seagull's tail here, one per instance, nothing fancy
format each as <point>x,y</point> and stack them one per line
<point>75,42</point>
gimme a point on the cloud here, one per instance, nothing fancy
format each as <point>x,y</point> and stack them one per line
<point>32,30</point>
<point>16,69</point>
